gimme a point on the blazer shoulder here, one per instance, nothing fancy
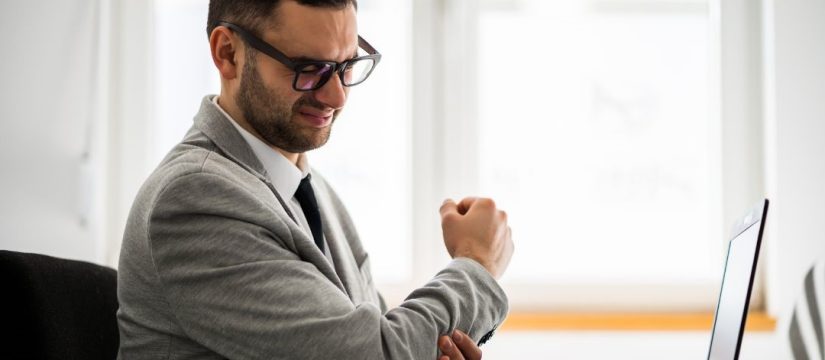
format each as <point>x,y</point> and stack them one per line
<point>189,165</point>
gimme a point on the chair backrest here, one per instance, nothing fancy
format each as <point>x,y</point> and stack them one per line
<point>57,308</point>
<point>806,331</point>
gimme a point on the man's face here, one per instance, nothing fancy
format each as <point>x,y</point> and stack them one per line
<point>290,120</point>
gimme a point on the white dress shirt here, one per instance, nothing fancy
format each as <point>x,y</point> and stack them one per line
<point>283,174</point>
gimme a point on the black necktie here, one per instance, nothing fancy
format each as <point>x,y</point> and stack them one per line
<point>306,197</point>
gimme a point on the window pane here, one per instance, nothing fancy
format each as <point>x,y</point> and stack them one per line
<point>596,137</point>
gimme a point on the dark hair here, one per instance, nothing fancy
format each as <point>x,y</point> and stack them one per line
<point>252,13</point>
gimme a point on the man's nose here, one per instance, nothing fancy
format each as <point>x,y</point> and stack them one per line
<point>333,93</point>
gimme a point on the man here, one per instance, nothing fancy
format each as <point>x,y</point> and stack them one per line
<point>234,248</point>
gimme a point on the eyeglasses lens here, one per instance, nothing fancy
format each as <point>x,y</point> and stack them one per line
<point>357,71</point>
<point>312,76</point>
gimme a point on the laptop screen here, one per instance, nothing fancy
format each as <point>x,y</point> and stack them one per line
<point>735,293</point>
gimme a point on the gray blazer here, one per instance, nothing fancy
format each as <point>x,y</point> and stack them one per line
<point>213,265</point>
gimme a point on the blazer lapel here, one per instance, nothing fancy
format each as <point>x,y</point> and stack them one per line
<point>342,255</point>
<point>212,123</point>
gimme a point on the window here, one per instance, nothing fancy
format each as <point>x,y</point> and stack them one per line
<point>593,123</point>
<point>595,132</point>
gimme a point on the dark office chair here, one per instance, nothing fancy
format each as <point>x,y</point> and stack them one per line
<point>56,309</point>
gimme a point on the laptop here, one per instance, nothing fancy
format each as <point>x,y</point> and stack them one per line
<point>737,284</point>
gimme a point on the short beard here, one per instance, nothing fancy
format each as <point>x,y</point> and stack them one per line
<point>273,119</point>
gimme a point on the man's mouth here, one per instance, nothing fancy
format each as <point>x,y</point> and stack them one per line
<point>318,119</point>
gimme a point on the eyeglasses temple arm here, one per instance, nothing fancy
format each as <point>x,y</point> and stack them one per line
<point>366,46</point>
<point>259,44</point>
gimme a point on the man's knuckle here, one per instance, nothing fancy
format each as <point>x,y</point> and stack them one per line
<point>486,202</point>
<point>450,218</point>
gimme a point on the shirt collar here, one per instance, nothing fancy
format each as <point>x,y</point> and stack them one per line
<point>283,174</point>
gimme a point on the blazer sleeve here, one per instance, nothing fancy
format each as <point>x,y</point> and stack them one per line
<point>236,285</point>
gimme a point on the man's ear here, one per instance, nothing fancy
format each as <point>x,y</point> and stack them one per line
<point>225,52</point>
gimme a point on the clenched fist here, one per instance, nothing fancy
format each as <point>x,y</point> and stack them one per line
<point>474,228</point>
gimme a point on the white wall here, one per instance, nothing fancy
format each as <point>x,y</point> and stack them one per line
<point>47,126</point>
<point>795,143</point>
<point>75,95</point>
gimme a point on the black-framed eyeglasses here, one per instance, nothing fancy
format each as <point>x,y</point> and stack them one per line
<point>312,75</point>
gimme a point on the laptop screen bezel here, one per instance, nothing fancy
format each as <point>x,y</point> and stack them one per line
<point>755,217</point>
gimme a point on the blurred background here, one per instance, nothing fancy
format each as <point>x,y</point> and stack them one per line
<point>623,137</point>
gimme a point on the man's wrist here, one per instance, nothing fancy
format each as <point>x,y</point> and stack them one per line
<point>476,263</point>
<point>490,268</point>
